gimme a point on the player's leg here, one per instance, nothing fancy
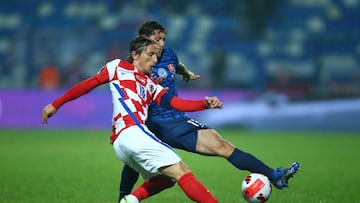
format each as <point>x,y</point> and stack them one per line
<point>128,179</point>
<point>191,186</point>
<point>156,158</point>
<point>193,136</point>
<point>179,172</point>
<point>210,142</point>
<point>127,147</point>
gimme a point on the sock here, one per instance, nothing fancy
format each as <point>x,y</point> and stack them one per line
<point>128,179</point>
<point>246,161</point>
<point>195,190</point>
<point>152,187</point>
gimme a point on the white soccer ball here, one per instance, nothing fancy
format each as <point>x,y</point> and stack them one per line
<point>256,188</point>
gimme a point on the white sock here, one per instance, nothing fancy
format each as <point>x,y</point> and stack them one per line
<point>132,198</point>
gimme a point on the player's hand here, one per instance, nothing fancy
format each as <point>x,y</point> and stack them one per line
<point>213,102</point>
<point>187,74</point>
<point>47,112</point>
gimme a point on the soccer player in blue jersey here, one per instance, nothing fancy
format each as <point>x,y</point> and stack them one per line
<point>179,131</point>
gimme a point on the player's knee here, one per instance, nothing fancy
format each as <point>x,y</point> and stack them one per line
<point>170,182</point>
<point>224,148</point>
<point>175,171</point>
<point>163,182</point>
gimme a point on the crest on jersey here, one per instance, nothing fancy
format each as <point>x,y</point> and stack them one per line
<point>162,73</point>
<point>171,67</point>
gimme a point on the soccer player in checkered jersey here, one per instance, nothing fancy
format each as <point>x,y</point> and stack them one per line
<point>132,91</point>
<point>179,131</point>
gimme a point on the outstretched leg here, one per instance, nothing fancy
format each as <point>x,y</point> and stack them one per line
<point>210,142</point>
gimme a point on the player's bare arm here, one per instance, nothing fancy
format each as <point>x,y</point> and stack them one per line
<point>47,112</point>
<point>186,73</point>
<point>213,102</point>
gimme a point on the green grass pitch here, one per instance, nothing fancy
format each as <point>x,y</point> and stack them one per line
<point>80,166</point>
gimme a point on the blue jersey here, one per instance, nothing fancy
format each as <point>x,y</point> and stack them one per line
<point>166,68</point>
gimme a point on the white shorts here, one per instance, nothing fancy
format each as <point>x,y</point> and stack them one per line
<point>140,149</point>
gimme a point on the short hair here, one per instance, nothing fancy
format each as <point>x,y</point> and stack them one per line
<point>149,27</point>
<point>138,44</point>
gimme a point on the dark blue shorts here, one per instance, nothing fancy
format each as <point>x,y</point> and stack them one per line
<point>180,133</point>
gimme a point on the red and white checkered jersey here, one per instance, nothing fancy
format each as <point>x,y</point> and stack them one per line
<point>132,92</point>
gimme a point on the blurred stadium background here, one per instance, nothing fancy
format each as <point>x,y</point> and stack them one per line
<point>276,64</point>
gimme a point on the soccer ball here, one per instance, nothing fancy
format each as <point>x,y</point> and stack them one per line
<point>256,188</point>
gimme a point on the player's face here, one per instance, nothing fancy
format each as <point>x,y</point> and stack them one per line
<point>147,59</point>
<point>159,37</point>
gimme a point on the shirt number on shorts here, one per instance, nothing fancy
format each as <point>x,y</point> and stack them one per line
<point>195,123</point>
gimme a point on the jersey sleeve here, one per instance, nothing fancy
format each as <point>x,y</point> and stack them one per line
<point>82,88</point>
<point>169,101</point>
<point>187,105</point>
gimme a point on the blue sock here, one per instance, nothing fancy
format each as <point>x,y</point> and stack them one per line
<point>128,179</point>
<point>246,161</point>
